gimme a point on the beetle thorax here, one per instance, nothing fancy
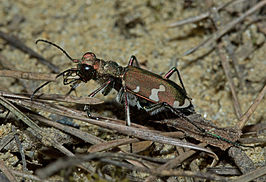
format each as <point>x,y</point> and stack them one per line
<point>110,68</point>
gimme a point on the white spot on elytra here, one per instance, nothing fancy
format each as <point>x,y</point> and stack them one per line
<point>176,104</point>
<point>185,105</point>
<point>154,93</point>
<point>136,90</point>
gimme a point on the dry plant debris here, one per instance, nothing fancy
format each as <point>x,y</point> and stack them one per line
<point>50,137</point>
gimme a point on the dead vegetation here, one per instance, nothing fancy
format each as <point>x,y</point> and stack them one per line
<point>35,146</point>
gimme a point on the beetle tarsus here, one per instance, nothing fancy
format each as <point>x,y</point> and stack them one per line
<point>88,111</point>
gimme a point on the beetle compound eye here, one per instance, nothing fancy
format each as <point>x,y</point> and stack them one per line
<point>86,72</point>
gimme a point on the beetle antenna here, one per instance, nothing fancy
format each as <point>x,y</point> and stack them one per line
<point>57,46</point>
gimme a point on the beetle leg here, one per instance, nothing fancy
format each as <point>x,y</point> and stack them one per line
<point>128,122</point>
<point>103,86</point>
<point>169,74</point>
<point>155,108</point>
<point>69,71</point>
<point>124,93</point>
<point>108,89</point>
<point>161,106</point>
<point>100,88</point>
<point>127,113</point>
<point>132,60</point>
<point>73,87</point>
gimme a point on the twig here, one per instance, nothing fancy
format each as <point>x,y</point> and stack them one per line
<point>227,136</point>
<point>136,132</point>
<point>190,51</point>
<point>73,131</point>
<point>229,49</point>
<point>46,138</point>
<point>115,143</point>
<point>252,140</point>
<point>8,65</point>
<point>6,139</point>
<point>217,35</point>
<point>28,75</point>
<point>166,173</point>
<point>231,24</point>
<point>21,150</point>
<point>28,176</point>
<point>224,170</point>
<point>7,172</point>
<point>173,163</point>
<point>242,161</point>
<point>242,121</point>
<point>218,22</point>
<point>251,175</point>
<point>54,97</point>
<point>63,98</point>
<point>63,163</point>
<point>19,114</point>
<point>20,45</point>
<point>199,17</point>
<point>245,164</point>
<point>226,68</point>
<point>111,144</point>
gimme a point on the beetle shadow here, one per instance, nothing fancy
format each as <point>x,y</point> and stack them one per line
<point>116,110</point>
<point>137,116</point>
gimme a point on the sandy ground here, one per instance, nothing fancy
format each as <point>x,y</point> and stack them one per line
<point>102,27</point>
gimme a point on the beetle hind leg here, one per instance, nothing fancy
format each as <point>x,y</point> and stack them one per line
<point>125,98</point>
<point>156,108</point>
<point>170,73</point>
<point>133,60</point>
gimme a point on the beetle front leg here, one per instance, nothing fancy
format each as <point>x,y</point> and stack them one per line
<point>132,60</point>
<point>169,74</point>
<point>100,88</point>
<point>103,86</point>
<point>73,87</point>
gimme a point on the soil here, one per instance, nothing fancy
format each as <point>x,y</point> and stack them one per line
<point>115,30</point>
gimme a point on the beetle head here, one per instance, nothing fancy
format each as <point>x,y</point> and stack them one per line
<point>87,66</point>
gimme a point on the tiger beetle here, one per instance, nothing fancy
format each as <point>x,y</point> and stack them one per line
<point>136,86</point>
